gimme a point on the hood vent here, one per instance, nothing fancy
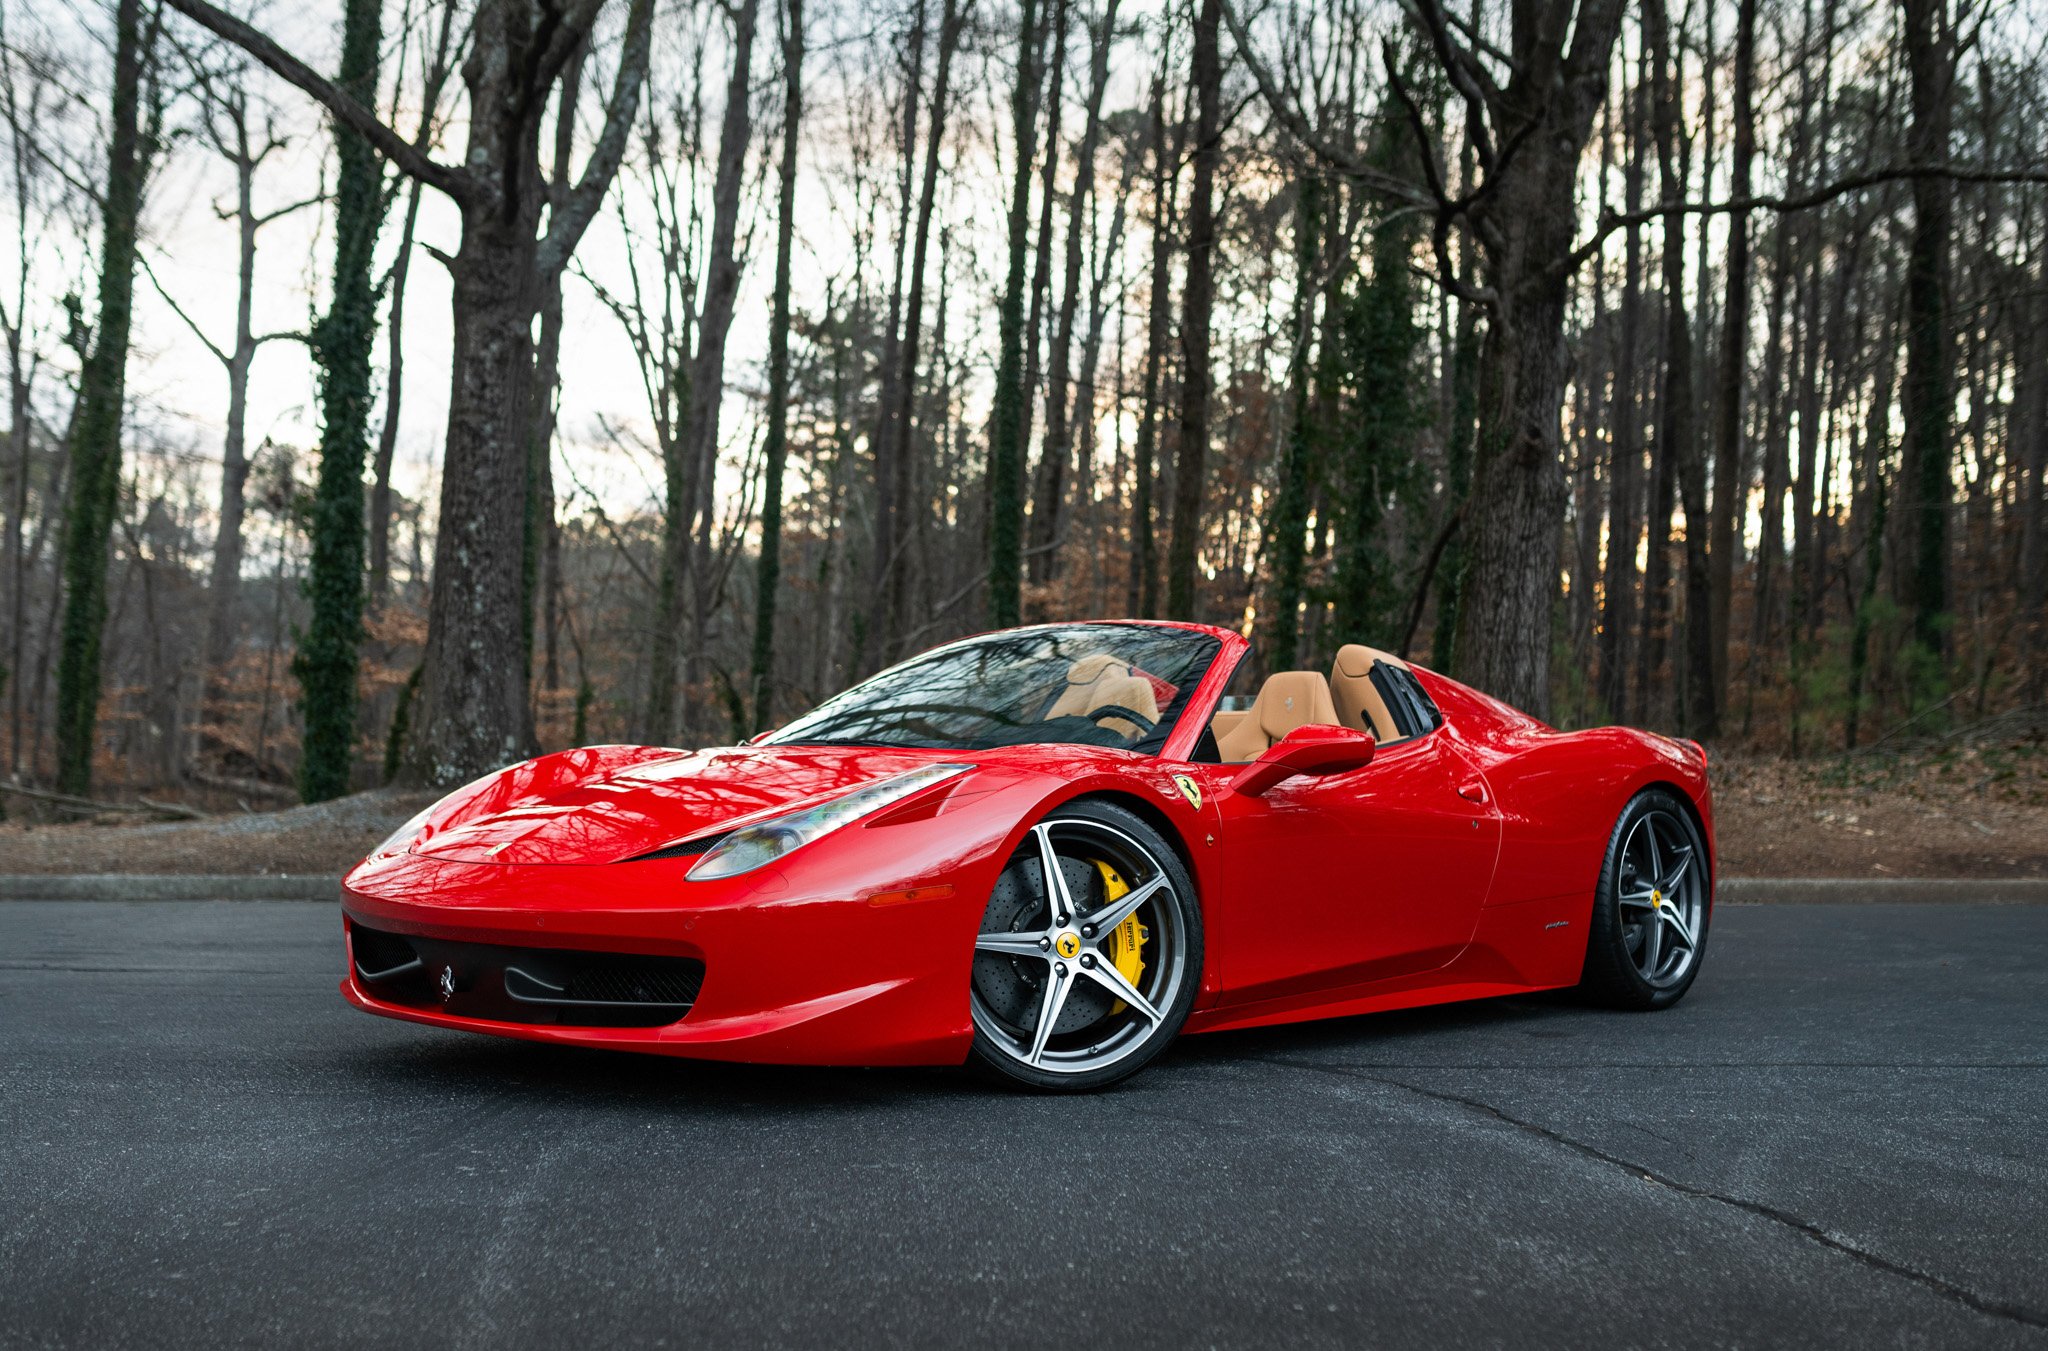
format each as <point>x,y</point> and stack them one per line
<point>687,849</point>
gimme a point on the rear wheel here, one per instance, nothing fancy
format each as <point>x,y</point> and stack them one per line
<point>1651,909</point>
<point>1089,955</point>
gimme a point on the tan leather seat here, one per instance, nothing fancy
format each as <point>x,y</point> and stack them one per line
<point>1359,705</point>
<point>1288,699</point>
<point>1100,680</point>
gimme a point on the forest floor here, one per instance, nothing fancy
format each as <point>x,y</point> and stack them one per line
<point>1973,805</point>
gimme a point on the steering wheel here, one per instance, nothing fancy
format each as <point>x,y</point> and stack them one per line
<point>1103,712</point>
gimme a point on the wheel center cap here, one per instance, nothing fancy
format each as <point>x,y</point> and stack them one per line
<point>1657,899</point>
<point>1068,944</point>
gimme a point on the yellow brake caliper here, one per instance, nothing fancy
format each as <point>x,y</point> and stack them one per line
<point>1126,946</point>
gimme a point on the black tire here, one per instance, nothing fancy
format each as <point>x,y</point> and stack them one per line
<point>1628,963</point>
<point>1097,1039</point>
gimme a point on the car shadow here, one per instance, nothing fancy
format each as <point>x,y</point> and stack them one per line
<point>450,1061</point>
<point>1394,1038</point>
<point>430,1060</point>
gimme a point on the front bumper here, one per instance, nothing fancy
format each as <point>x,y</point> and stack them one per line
<point>799,965</point>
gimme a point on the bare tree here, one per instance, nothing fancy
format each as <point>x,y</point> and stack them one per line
<point>761,685</point>
<point>470,713</point>
<point>228,124</point>
<point>1205,81</point>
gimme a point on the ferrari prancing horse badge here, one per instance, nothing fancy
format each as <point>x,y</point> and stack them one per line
<point>1190,790</point>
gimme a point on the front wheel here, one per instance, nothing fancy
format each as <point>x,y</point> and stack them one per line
<point>1650,911</point>
<point>1089,955</point>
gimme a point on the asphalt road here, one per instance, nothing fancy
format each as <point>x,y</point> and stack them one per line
<point>1840,1139</point>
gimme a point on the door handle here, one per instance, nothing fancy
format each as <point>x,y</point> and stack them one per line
<point>1472,790</point>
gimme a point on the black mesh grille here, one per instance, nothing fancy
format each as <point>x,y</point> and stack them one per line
<point>687,849</point>
<point>634,984</point>
<point>524,985</point>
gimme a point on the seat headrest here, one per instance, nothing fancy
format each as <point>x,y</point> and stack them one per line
<point>1092,667</point>
<point>1356,659</point>
<point>1359,705</point>
<point>1291,699</point>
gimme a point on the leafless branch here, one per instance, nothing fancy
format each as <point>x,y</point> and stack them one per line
<point>1339,157</point>
<point>566,227</point>
<point>1612,221</point>
<point>344,108</point>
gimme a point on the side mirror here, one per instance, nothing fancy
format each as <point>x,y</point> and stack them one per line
<point>1315,752</point>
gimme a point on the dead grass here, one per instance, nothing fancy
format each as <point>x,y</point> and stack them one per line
<point>326,838</point>
<point>1970,805</point>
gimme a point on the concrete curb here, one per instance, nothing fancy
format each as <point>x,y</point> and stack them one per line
<point>1731,890</point>
<point>166,887</point>
<point>1858,890</point>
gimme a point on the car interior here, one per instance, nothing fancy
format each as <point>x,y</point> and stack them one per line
<point>1106,685</point>
<point>1366,690</point>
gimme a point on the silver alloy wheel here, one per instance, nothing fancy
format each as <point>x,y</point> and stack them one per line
<point>1663,897</point>
<point>1083,1015</point>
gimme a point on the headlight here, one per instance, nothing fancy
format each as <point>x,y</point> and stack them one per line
<point>758,845</point>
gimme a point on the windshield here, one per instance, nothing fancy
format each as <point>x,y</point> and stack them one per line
<point>1122,685</point>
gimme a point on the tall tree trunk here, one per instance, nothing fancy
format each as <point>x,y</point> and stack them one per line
<point>1651,652</point>
<point>537,543</point>
<point>1930,60</point>
<point>224,581</point>
<point>671,602</point>
<point>473,693</point>
<point>714,324</point>
<point>899,425</point>
<point>1518,488</point>
<point>2031,502</point>
<point>878,620</point>
<point>1625,493</point>
<point>1206,82</point>
<point>20,105</point>
<point>379,525</point>
<point>1006,430</point>
<point>1775,454</point>
<point>776,450</point>
<point>394,387</point>
<point>326,660</point>
<point>1144,590</point>
<point>1460,443</point>
<point>1676,427</point>
<point>96,433</point>
<point>1730,463</point>
<point>1041,266</point>
<point>1286,550</point>
<point>1049,499</point>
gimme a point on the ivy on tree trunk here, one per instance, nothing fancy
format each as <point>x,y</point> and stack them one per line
<point>96,434</point>
<point>326,660</point>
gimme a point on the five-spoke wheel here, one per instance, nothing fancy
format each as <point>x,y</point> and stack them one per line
<point>1650,912</point>
<point>1089,953</point>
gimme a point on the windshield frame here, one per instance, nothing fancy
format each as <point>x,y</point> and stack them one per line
<point>1197,703</point>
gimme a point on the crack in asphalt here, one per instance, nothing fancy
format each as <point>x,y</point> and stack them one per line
<point>1995,1308</point>
<point>1549,1066</point>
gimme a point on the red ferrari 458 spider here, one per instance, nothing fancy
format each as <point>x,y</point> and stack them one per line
<point>1046,852</point>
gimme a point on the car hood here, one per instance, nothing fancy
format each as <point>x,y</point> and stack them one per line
<point>608,804</point>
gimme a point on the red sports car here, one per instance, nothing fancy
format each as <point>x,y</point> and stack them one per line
<point>1046,852</point>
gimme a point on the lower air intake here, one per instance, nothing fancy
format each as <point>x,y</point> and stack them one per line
<point>539,986</point>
